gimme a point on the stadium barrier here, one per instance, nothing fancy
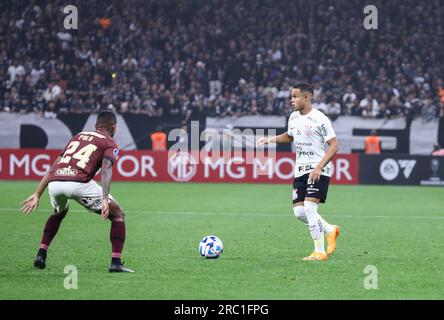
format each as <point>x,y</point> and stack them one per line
<point>401,169</point>
<point>31,164</point>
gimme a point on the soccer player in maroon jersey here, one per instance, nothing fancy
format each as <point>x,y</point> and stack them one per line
<point>71,177</point>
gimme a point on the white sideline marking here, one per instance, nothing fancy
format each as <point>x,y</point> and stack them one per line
<point>252,214</point>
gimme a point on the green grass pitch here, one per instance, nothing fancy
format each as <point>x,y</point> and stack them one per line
<point>399,230</point>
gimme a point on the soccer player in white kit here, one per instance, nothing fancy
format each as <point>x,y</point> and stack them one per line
<point>309,129</point>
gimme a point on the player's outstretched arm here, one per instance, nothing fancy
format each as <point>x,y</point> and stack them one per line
<point>333,147</point>
<point>32,202</point>
<point>106,174</point>
<point>282,138</point>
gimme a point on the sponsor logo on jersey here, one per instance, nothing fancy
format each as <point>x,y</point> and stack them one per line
<point>116,153</point>
<point>305,153</point>
<point>66,172</point>
<point>298,132</point>
<point>308,144</point>
<point>91,203</point>
<point>310,167</point>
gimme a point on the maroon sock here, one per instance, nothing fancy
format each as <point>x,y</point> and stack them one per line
<point>117,237</point>
<point>51,228</point>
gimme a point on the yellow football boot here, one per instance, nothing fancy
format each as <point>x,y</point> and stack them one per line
<point>331,240</point>
<point>316,256</point>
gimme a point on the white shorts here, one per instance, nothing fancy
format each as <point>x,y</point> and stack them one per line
<point>87,194</point>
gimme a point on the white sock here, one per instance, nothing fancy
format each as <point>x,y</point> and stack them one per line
<point>328,228</point>
<point>299,212</point>
<point>315,225</point>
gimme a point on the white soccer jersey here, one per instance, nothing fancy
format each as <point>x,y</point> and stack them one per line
<point>310,132</point>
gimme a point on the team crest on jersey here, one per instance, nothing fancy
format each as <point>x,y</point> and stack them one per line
<point>307,129</point>
<point>116,153</point>
<point>295,194</point>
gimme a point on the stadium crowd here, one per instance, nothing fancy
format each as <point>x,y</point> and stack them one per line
<point>219,58</point>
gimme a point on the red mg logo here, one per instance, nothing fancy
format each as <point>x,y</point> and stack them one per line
<point>182,166</point>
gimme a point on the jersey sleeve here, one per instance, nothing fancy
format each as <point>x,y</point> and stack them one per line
<point>289,128</point>
<point>111,151</point>
<point>326,130</point>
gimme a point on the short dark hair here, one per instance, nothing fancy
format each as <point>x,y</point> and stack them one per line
<point>304,86</point>
<point>106,117</point>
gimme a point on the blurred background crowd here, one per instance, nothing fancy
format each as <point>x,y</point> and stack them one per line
<point>222,58</point>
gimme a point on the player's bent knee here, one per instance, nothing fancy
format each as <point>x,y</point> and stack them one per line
<point>117,215</point>
<point>299,211</point>
<point>310,207</point>
<point>61,214</point>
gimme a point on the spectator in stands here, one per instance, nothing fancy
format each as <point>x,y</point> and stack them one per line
<point>143,57</point>
<point>333,109</point>
<point>429,110</point>
<point>5,103</point>
<point>394,108</point>
<point>370,106</point>
<point>355,108</point>
<point>320,104</point>
<point>253,108</point>
<point>16,69</point>
<point>50,110</point>
<point>317,91</point>
<point>348,100</point>
<point>383,112</point>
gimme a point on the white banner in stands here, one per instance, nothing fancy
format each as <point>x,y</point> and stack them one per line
<point>420,139</point>
<point>395,137</point>
<point>57,132</point>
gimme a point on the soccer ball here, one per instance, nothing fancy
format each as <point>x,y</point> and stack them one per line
<point>211,247</point>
